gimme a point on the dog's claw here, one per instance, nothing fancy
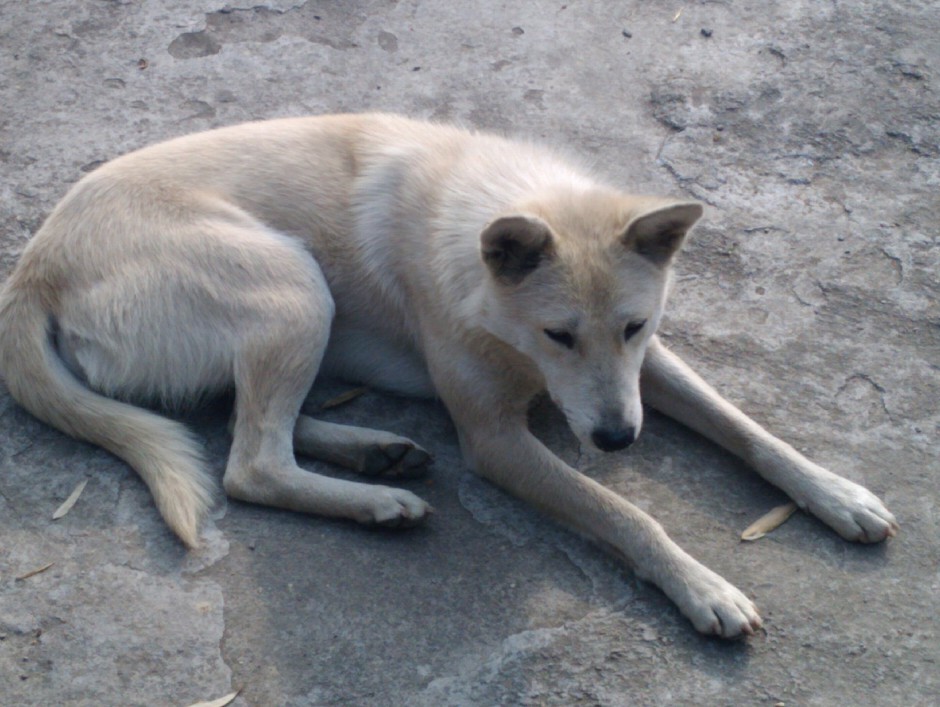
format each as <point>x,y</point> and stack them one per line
<point>852,511</point>
<point>715,607</point>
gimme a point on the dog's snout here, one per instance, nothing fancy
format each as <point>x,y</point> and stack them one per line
<point>610,439</point>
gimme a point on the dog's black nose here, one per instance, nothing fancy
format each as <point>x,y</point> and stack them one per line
<point>610,440</point>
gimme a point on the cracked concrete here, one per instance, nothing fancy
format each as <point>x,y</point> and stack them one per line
<point>809,295</point>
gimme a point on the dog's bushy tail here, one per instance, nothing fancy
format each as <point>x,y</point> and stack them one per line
<point>162,451</point>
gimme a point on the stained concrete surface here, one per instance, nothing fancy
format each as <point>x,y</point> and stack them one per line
<point>809,295</point>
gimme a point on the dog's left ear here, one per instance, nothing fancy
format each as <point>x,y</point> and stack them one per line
<point>657,235</point>
<point>513,246</point>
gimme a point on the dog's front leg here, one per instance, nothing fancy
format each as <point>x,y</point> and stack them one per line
<point>505,452</point>
<point>670,386</point>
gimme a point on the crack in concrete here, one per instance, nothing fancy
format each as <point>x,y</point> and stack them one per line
<point>511,672</point>
<point>463,684</point>
<point>685,182</point>
<point>800,299</point>
<point>875,385</point>
<point>806,303</point>
<point>9,504</point>
<point>228,9</point>
<point>765,229</point>
<point>662,146</point>
<point>22,450</point>
<point>860,376</point>
<point>899,266</point>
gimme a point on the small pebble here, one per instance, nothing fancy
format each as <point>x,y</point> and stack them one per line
<point>706,33</point>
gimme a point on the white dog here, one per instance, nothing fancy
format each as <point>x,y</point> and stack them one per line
<point>419,258</point>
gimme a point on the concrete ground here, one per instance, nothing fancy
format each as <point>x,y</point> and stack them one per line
<point>809,296</point>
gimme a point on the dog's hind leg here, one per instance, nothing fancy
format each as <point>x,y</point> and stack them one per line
<point>278,350</point>
<point>367,451</point>
<point>670,386</point>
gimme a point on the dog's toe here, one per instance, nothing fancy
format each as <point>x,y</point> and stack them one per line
<point>396,460</point>
<point>875,526</point>
<point>414,463</point>
<point>380,457</point>
<point>716,607</point>
<point>396,508</point>
<point>732,618</point>
<point>853,512</point>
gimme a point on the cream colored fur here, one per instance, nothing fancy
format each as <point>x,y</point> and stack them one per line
<point>420,258</point>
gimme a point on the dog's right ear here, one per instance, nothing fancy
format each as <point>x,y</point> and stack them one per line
<point>513,246</point>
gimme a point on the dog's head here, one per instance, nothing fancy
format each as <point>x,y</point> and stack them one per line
<point>577,283</point>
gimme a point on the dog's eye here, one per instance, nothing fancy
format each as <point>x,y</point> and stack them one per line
<point>632,328</point>
<point>564,338</point>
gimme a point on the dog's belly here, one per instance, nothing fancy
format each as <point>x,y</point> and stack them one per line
<point>372,359</point>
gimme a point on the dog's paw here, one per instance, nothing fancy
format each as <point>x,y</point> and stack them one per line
<point>851,510</point>
<point>401,459</point>
<point>716,607</point>
<point>394,508</point>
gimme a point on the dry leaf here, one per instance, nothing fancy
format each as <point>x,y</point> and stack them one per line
<point>767,522</point>
<point>35,571</point>
<point>70,501</point>
<point>221,702</point>
<point>343,398</point>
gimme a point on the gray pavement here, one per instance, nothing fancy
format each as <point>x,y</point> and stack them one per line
<point>809,296</point>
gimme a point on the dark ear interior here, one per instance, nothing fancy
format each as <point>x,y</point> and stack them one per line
<point>657,235</point>
<point>513,246</point>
